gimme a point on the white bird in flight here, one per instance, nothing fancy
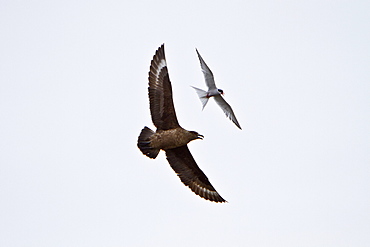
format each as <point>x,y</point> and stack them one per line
<point>214,92</point>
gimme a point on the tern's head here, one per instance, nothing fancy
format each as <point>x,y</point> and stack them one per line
<point>221,91</point>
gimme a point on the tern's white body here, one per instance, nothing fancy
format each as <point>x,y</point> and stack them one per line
<point>214,92</point>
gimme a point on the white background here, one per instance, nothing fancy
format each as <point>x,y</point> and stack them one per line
<point>73,99</point>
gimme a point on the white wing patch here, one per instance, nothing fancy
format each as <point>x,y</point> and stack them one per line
<point>204,192</point>
<point>162,63</point>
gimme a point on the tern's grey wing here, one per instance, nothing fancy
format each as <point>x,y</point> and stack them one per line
<point>208,75</point>
<point>183,163</point>
<point>227,109</point>
<point>160,93</point>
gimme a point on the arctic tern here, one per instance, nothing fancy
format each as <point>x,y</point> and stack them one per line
<point>214,92</point>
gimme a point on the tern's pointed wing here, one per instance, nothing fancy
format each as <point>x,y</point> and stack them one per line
<point>183,163</point>
<point>227,109</point>
<point>208,75</point>
<point>160,93</point>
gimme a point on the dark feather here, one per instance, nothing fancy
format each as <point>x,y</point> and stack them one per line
<point>160,93</point>
<point>183,163</point>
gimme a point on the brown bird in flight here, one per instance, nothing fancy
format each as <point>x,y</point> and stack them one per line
<point>170,136</point>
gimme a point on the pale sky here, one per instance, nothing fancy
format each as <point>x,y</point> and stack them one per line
<point>73,100</point>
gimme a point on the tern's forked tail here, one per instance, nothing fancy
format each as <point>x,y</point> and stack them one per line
<point>202,96</point>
